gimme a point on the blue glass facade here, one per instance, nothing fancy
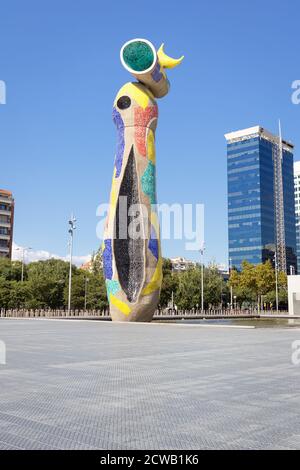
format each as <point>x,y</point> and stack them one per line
<point>298,242</point>
<point>289,210</point>
<point>297,209</point>
<point>251,212</point>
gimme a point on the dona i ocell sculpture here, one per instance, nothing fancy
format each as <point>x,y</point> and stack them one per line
<point>132,257</point>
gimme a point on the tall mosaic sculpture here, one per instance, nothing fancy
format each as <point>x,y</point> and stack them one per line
<point>131,245</point>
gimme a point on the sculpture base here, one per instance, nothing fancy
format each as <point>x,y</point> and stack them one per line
<point>140,312</point>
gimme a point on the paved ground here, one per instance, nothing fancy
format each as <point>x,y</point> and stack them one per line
<point>86,385</point>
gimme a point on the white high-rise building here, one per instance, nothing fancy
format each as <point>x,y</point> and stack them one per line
<point>297,209</point>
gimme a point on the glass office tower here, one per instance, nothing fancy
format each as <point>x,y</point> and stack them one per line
<point>261,213</point>
<point>297,209</point>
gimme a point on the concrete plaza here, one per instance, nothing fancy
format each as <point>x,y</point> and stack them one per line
<point>97,385</point>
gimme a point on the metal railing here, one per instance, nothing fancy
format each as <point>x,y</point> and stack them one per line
<point>104,314</point>
<point>49,313</point>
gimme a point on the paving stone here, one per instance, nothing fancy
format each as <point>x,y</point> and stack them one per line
<point>102,385</point>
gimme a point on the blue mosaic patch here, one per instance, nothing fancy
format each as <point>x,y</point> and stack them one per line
<point>112,287</point>
<point>120,141</point>
<point>153,243</point>
<point>148,182</point>
<point>107,259</point>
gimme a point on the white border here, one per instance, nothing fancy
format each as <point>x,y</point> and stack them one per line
<point>134,72</point>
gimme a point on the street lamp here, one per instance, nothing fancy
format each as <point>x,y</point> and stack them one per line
<point>231,291</point>
<point>23,249</point>
<point>276,279</point>
<point>202,273</point>
<point>71,232</point>
<point>172,295</point>
<point>85,291</point>
<point>221,279</point>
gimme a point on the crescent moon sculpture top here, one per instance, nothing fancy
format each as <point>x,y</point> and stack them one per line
<point>131,243</point>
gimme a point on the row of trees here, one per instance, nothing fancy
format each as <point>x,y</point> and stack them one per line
<point>257,284</point>
<point>45,285</point>
<point>254,285</point>
<point>186,287</point>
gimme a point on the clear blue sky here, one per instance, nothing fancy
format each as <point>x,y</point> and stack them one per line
<point>60,61</point>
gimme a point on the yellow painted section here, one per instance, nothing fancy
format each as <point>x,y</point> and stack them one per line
<point>136,92</point>
<point>155,223</point>
<point>151,146</point>
<point>120,305</point>
<point>113,199</point>
<point>165,61</point>
<point>113,192</point>
<point>156,279</point>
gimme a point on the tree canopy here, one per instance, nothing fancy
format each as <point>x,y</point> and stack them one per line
<point>257,282</point>
<point>45,285</point>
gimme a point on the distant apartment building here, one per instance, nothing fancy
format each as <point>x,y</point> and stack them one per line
<point>223,271</point>
<point>88,266</point>
<point>297,209</point>
<point>261,207</point>
<point>182,264</point>
<point>6,223</point>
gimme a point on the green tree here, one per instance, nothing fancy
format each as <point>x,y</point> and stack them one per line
<point>11,270</point>
<point>188,293</point>
<point>94,289</point>
<point>244,293</point>
<point>5,293</point>
<point>169,283</point>
<point>46,281</point>
<point>19,292</point>
<point>97,262</point>
<point>46,286</point>
<point>96,296</point>
<point>270,297</point>
<point>258,281</point>
<point>215,288</point>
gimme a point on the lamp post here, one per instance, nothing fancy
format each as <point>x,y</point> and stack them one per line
<point>172,295</point>
<point>71,232</point>
<point>23,249</point>
<point>202,274</point>
<point>85,291</point>
<point>276,279</point>
<point>231,291</point>
<point>221,279</point>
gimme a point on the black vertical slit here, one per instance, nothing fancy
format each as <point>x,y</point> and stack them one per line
<point>129,252</point>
